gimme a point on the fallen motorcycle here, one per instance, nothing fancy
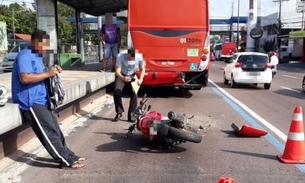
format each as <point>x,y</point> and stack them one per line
<point>174,128</point>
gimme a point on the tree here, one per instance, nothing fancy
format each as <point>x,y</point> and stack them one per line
<point>269,45</point>
<point>26,21</point>
<point>21,19</point>
<point>65,28</point>
<point>65,31</point>
<point>18,18</point>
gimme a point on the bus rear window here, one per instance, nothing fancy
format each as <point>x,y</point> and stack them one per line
<point>169,13</point>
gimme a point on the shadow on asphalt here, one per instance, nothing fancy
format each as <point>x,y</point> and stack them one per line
<point>241,86</point>
<point>265,156</point>
<point>36,161</point>
<point>298,67</point>
<point>138,143</point>
<point>165,92</point>
<point>156,92</point>
<point>95,117</point>
<point>290,93</point>
<point>230,133</point>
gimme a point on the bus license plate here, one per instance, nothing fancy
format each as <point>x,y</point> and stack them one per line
<point>192,52</point>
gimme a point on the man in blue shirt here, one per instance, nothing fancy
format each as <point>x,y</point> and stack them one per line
<point>29,91</point>
<point>127,65</point>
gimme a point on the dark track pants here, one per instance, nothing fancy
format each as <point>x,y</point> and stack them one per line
<point>117,96</point>
<point>45,125</point>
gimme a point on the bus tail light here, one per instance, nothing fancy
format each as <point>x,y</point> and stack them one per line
<point>203,57</point>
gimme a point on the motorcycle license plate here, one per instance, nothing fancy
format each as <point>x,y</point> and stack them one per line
<point>152,131</point>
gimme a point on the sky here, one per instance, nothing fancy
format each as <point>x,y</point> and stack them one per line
<point>223,8</point>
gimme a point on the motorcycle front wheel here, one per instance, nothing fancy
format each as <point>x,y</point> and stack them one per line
<point>184,135</point>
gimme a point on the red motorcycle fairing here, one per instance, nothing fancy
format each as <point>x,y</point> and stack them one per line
<point>146,121</point>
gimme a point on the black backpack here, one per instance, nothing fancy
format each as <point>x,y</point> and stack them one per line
<point>56,92</point>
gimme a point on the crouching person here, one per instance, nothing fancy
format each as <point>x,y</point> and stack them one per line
<point>126,67</point>
<point>29,91</point>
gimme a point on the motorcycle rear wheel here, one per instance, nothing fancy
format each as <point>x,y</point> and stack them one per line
<point>184,135</point>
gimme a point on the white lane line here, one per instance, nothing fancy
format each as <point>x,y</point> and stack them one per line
<point>276,131</point>
<point>290,89</point>
<point>288,76</point>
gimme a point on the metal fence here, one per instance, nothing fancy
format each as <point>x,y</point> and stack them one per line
<point>91,51</point>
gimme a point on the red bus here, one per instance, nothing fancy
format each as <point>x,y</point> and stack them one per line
<point>173,36</point>
<point>227,50</point>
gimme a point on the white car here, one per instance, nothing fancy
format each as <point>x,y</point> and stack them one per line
<point>248,68</point>
<point>9,59</point>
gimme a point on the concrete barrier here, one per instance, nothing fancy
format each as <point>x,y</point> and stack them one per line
<point>78,85</point>
<point>9,117</point>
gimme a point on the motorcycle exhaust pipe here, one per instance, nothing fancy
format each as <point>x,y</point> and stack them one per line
<point>177,117</point>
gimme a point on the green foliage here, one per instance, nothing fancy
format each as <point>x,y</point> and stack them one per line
<point>95,39</point>
<point>64,10</point>
<point>23,20</point>
<point>66,29</point>
<point>269,45</point>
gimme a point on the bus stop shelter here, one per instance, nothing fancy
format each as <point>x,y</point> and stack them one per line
<point>47,19</point>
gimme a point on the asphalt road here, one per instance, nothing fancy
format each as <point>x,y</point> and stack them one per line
<point>220,154</point>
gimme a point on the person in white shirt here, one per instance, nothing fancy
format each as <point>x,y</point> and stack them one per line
<point>128,62</point>
<point>273,61</point>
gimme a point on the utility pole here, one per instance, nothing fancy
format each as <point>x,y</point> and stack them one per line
<point>302,25</point>
<point>231,24</point>
<point>237,38</point>
<point>279,40</point>
<point>14,24</point>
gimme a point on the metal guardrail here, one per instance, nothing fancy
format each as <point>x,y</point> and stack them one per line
<point>91,51</point>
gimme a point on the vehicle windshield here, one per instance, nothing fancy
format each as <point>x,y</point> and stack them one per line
<point>218,47</point>
<point>15,49</point>
<point>233,58</point>
<point>25,45</point>
<point>20,47</point>
<point>253,59</point>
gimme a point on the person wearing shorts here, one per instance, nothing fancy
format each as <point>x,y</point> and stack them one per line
<point>111,41</point>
